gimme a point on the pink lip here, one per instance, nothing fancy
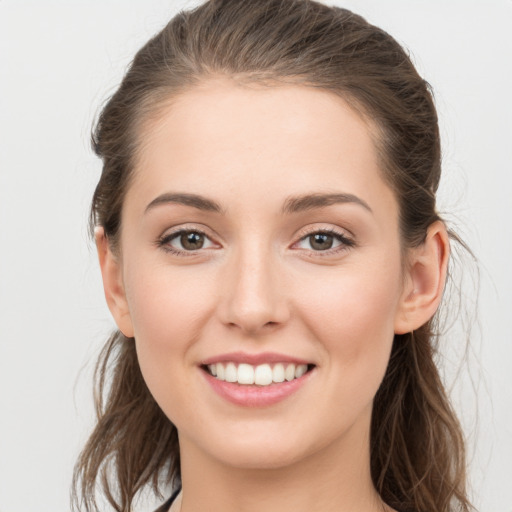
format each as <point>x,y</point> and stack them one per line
<point>253,359</point>
<point>253,395</point>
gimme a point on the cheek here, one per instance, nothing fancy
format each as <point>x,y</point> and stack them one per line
<point>164,304</point>
<point>168,311</point>
<point>352,316</point>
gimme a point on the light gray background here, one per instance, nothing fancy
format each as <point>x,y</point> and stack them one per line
<point>59,60</point>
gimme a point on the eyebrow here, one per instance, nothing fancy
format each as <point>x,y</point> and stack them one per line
<point>194,200</point>
<point>292,204</point>
<point>313,201</point>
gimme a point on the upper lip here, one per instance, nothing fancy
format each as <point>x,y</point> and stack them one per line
<point>254,359</point>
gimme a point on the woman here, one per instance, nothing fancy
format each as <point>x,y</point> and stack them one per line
<point>271,253</point>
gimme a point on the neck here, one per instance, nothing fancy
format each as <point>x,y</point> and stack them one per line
<point>333,479</point>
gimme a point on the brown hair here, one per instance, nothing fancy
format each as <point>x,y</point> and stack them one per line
<point>417,447</point>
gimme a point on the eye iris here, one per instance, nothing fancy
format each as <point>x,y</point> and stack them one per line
<point>321,241</point>
<point>192,241</point>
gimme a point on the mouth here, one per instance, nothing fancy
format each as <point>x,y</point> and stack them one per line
<point>265,374</point>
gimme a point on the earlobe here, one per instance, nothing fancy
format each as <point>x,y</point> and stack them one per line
<point>113,284</point>
<point>425,280</point>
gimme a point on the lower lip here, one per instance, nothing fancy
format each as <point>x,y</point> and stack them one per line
<point>255,396</point>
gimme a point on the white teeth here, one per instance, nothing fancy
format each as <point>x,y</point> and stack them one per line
<point>231,374</point>
<point>300,370</point>
<point>278,373</point>
<point>261,375</point>
<point>245,374</point>
<point>289,373</point>
<point>220,372</point>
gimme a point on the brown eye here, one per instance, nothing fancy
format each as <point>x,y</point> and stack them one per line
<point>185,242</point>
<point>321,241</point>
<point>191,240</point>
<point>328,242</point>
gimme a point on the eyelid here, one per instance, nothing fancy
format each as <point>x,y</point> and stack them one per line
<point>322,227</point>
<point>171,234</point>
<point>346,241</point>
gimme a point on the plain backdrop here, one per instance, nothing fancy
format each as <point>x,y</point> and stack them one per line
<point>59,61</point>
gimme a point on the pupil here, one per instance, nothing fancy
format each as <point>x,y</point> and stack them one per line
<point>192,241</point>
<point>321,241</point>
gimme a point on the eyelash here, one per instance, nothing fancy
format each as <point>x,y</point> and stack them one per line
<point>345,242</point>
<point>165,240</point>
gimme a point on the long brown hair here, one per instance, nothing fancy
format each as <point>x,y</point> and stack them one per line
<point>417,446</point>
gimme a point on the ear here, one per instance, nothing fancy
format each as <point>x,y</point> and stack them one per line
<point>425,280</point>
<point>113,285</point>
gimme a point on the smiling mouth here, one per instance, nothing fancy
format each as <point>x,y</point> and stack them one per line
<point>259,375</point>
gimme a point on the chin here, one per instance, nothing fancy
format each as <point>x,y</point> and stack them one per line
<point>266,455</point>
<point>266,445</point>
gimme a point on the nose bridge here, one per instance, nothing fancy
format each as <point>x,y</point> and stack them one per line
<point>254,298</point>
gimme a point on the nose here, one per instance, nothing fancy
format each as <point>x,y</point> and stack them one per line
<point>254,298</point>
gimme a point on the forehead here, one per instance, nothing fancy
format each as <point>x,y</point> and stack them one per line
<point>256,141</point>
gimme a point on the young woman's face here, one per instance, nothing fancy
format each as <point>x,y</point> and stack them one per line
<point>259,239</point>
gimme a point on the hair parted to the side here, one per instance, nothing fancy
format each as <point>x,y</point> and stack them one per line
<point>417,446</point>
